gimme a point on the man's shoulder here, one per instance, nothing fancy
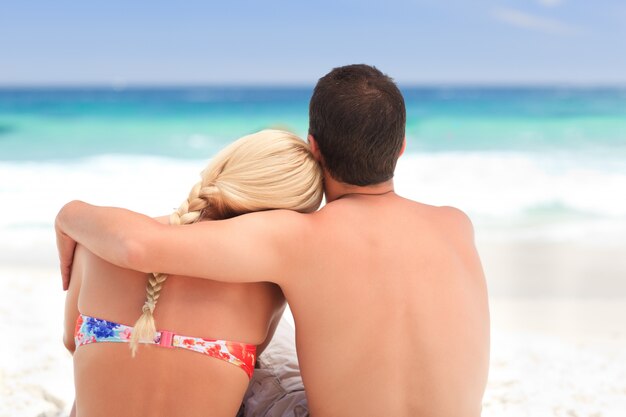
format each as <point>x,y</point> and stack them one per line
<point>454,215</point>
<point>280,221</point>
<point>450,219</point>
<point>276,215</point>
<point>455,222</point>
<point>446,213</point>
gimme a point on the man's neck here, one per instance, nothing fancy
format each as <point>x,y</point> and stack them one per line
<point>335,190</point>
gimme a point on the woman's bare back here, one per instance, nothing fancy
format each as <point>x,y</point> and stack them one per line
<point>160,381</point>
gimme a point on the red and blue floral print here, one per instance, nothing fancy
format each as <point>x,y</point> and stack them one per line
<point>94,330</point>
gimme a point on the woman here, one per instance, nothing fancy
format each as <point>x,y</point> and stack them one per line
<point>204,372</point>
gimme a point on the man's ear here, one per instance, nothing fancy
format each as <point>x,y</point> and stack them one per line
<point>315,150</point>
<point>403,147</point>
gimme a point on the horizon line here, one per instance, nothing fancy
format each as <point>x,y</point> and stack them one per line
<point>263,85</point>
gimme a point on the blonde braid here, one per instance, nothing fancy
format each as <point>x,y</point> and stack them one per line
<point>267,170</point>
<point>188,212</point>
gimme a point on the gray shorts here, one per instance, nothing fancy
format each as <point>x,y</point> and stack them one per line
<point>276,388</point>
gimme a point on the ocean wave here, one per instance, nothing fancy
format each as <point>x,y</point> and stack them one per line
<point>494,184</point>
<point>498,190</point>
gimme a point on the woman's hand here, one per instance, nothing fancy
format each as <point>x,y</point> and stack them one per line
<point>65,246</point>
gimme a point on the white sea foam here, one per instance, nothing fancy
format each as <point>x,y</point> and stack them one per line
<point>526,194</point>
<point>513,184</point>
<point>500,191</point>
<point>33,192</point>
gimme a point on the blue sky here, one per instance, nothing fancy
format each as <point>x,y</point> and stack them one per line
<point>295,42</point>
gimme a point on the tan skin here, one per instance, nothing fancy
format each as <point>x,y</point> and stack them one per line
<point>159,381</point>
<point>388,295</point>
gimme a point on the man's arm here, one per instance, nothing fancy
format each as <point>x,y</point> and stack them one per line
<point>255,247</point>
<point>66,247</point>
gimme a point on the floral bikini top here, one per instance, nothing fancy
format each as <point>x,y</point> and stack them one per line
<point>93,330</point>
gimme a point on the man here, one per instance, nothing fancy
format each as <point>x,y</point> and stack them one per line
<point>388,295</point>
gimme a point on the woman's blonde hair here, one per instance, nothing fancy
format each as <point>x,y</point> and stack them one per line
<point>267,170</point>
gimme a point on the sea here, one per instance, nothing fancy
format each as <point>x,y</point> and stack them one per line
<point>524,162</point>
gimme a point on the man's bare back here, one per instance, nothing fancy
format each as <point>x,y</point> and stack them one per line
<point>391,314</point>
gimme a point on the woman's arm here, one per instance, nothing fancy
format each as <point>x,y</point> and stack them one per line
<point>278,315</point>
<point>71,301</point>
<point>263,246</point>
<point>65,246</point>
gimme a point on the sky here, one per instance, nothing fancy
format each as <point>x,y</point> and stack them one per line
<point>291,42</point>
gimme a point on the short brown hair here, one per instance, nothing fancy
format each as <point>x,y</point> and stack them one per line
<point>357,117</point>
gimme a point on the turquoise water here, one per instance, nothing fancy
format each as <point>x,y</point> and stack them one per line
<point>44,124</point>
<point>179,123</point>
<point>520,161</point>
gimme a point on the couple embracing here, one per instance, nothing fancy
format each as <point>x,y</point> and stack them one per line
<point>388,295</point>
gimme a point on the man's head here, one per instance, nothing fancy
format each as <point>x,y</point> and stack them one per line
<point>357,118</point>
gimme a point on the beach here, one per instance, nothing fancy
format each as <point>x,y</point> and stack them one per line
<point>539,172</point>
<point>550,356</point>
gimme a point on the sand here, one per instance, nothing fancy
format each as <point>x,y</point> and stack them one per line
<point>35,369</point>
<point>557,357</point>
<point>558,331</point>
